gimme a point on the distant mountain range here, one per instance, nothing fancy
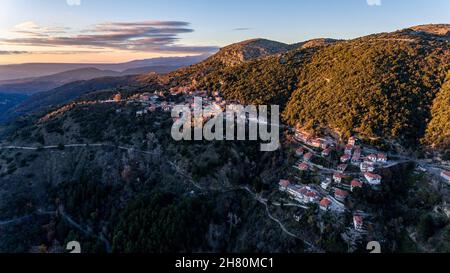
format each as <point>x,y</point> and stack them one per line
<point>46,83</point>
<point>31,70</point>
<point>31,92</point>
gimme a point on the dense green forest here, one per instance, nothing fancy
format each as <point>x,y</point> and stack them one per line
<point>438,131</point>
<point>371,86</point>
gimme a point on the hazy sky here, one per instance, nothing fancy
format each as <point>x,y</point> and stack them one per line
<point>121,30</point>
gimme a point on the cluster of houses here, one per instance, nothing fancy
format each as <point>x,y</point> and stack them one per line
<point>302,194</point>
<point>152,101</point>
<point>327,197</point>
<point>353,154</point>
<point>316,142</point>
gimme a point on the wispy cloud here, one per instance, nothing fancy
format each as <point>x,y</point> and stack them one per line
<point>73,2</point>
<point>241,28</point>
<point>374,2</point>
<point>148,36</point>
<point>6,52</point>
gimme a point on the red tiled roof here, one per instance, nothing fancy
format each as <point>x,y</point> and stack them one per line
<point>308,155</point>
<point>311,194</point>
<point>372,175</point>
<point>341,193</point>
<point>303,166</point>
<point>325,202</point>
<point>284,183</point>
<point>446,173</point>
<point>339,175</point>
<point>356,183</point>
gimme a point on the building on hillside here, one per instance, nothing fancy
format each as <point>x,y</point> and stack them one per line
<point>356,158</point>
<point>373,179</point>
<point>372,157</point>
<point>117,97</point>
<point>325,204</point>
<point>348,149</point>
<point>303,166</point>
<point>141,113</point>
<point>303,194</point>
<point>326,152</point>
<point>284,184</point>
<point>355,184</point>
<point>352,141</point>
<point>345,158</point>
<point>367,167</point>
<point>317,143</point>
<point>299,152</point>
<point>302,136</point>
<point>338,177</point>
<point>326,183</point>
<point>145,97</point>
<point>307,156</point>
<point>340,195</point>
<point>358,223</point>
<point>446,175</point>
<point>342,167</point>
<point>378,158</point>
<point>382,158</point>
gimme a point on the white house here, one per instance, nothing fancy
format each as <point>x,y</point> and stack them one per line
<point>372,157</point>
<point>381,158</point>
<point>303,194</point>
<point>373,179</point>
<point>326,183</point>
<point>367,167</point>
<point>337,177</point>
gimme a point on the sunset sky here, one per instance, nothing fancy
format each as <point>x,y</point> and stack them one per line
<point>117,31</point>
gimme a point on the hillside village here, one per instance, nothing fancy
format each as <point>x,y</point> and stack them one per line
<point>342,168</point>
<point>350,167</point>
<point>326,173</point>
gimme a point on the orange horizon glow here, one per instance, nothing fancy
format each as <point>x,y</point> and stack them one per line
<point>88,57</point>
